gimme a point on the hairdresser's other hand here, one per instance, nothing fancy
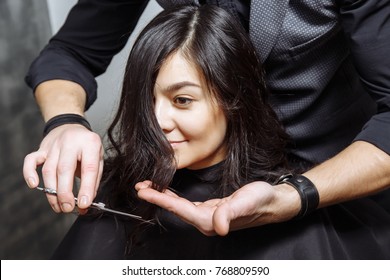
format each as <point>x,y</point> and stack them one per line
<point>67,151</point>
<point>254,204</point>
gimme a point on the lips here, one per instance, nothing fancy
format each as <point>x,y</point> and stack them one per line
<point>176,143</point>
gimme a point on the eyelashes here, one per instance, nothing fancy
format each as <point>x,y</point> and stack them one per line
<point>182,101</point>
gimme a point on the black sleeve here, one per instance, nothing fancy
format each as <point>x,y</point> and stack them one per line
<point>94,31</point>
<point>367,25</point>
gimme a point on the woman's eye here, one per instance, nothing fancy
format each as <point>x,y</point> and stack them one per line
<point>182,101</point>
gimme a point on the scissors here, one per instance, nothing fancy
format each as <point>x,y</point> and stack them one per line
<point>98,205</point>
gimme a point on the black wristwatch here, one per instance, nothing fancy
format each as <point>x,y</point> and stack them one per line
<point>307,191</point>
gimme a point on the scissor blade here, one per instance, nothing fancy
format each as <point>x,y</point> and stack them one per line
<point>99,206</point>
<point>103,208</point>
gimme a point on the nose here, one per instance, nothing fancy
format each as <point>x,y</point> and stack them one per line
<point>165,114</point>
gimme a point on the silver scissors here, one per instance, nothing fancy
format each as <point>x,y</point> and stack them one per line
<point>98,205</point>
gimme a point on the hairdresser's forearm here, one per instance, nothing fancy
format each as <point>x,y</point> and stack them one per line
<point>360,170</point>
<point>56,97</point>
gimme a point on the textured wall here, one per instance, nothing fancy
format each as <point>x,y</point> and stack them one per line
<point>29,228</point>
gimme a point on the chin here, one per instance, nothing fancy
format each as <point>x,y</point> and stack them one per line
<point>181,166</point>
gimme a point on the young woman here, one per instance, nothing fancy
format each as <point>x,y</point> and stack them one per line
<point>194,121</point>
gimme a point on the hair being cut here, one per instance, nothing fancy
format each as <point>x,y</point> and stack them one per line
<point>212,40</point>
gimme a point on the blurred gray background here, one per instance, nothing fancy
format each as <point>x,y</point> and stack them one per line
<point>29,228</point>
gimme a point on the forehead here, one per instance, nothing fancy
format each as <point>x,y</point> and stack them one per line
<point>176,68</point>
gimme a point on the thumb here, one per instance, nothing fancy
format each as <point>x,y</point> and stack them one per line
<point>222,217</point>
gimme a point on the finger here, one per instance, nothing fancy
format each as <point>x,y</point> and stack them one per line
<point>49,176</point>
<point>67,163</point>
<point>222,217</point>
<point>143,185</point>
<point>31,162</point>
<point>83,211</point>
<point>100,174</point>
<point>235,212</point>
<point>148,184</point>
<point>91,170</point>
<point>229,210</point>
<point>179,206</point>
<point>210,203</point>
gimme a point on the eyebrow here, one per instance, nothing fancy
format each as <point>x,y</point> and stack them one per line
<point>177,86</point>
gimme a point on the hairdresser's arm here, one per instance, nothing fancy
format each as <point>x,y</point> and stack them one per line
<point>66,150</point>
<point>63,80</point>
<point>92,34</point>
<point>360,170</point>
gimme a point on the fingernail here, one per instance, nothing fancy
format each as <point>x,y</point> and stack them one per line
<point>30,182</point>
<point>66,207</point>
<point>142,185</point>
<point>83,201</point>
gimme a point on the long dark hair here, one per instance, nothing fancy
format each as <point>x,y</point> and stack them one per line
<point>210,38</point>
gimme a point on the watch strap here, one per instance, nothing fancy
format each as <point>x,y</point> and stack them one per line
<point>307,192</point>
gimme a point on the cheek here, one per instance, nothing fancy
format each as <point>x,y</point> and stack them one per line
<point>219,128</point>
<point>194,126</point>
<point>203,124</point>
<point>210,128</point>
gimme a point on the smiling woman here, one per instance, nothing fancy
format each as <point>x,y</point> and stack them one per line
<point>189,115</point>
<point>197,147</point>
<point>193,76</point>
<point>193,100</point>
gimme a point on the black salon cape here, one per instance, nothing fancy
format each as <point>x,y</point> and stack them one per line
<point>358,229</point>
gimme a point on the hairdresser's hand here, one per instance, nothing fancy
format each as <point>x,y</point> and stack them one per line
<point>254,204</point>
<point>66,151</point>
